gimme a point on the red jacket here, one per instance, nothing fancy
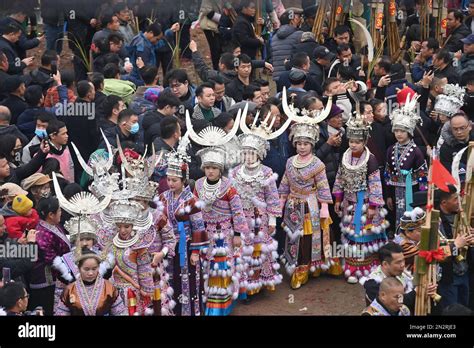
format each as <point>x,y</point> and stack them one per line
<point>17,225</point>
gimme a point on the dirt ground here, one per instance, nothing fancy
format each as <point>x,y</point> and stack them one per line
<point>325,295</point>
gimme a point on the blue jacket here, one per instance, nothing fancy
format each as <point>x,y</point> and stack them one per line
<point>418,70</point>
<point>142,47</point>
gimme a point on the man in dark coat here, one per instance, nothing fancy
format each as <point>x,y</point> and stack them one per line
<point>243,31</point>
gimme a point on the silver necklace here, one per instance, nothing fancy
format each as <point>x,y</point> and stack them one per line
<point>210,192</point>
<point>123,244</point>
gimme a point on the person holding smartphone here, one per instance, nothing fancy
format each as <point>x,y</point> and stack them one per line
<point>18,267</point>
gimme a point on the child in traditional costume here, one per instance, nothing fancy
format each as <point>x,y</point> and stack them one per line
<point>406,166</point>
<point>358,194</point>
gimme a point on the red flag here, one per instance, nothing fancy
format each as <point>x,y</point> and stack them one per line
<point>440,176</point>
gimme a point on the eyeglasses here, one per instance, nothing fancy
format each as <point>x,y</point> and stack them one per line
<point>459,129</point>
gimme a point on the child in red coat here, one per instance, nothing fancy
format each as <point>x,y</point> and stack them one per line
<point>25,218</point>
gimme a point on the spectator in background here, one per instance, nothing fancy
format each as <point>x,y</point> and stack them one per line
<point>424,60</point>
<point>243,30</point>
<point>7,128</point>
<point>43,76</point>
<point>15,102</point>
<point>457,30</point>
<point>285,40</point>
<point>41,123</point>
<point>58,139</point>
<point>178,83</point>
<point>443,64</point>
<point>10,35</point>
<point>17,16</point>
<point>27,120</point>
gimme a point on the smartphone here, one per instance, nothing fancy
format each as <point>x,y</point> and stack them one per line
<point>54,67</point>
<point>6,275</point>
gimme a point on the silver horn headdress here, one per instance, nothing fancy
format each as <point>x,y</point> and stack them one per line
<point>99,166</point>
<point>306,125</point>
<point>256,137</point>
<point>140,170</point>
<point>82,203</point>
<point>213,137</point>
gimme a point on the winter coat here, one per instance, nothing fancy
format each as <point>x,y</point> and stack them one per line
<point>283,45</point>
<point>17,225</point>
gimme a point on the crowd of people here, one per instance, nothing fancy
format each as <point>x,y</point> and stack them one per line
<point>285,152</point>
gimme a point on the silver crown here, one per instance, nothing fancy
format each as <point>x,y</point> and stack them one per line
<point>81,226</point>
<point>306,126</point>
<point>127,212</point>
<point>450,101</point>
<point>212,156</point>
<point>178,161</point>
<point>256,137</point>
<point>406,117</point>
<point>139,185</point>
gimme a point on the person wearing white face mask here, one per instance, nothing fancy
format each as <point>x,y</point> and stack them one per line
<point>32,147</point>
<point>127,129</point>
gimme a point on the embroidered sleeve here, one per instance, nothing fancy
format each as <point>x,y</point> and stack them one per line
<point>238,217</point>
<point>118,308</point>
<point>420,174</point>
<point>272,198</point>
<point>199,238</point>
<point>338,190</point>
<point>61,309</point>
<point>145,278</point>
<point>284,189</point>
<point>375,189</point>
<point>168,239</point>
<point>322,185</point>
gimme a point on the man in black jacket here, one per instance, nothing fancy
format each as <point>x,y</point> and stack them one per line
<point>15,102</point>
<point>462,134</point>
<point>301,61</point>
<point>243,31</point>
<point>454,283</point>
<point>167,105</point>
<point>235,88</point>
<point>17,17</point>
<point>442,62</point>
<point>10,35</point>
<point>457,29</point>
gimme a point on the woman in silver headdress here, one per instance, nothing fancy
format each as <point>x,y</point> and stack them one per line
<point>258,190</point>
<point>183,212</point>
<point>359,201</point>
<point>224,220</point>
<point>305,195</point>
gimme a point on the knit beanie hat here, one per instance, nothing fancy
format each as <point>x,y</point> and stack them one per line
<point>22,204</point>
